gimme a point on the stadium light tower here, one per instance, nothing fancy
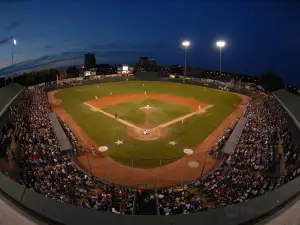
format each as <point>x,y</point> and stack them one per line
<point>185,44</point>
<point>14,42</point>
<point>220,44</point>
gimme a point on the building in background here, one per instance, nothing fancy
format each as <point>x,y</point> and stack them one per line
<point>104,69</point>
<point>89,61</point>
<point>147,64</point>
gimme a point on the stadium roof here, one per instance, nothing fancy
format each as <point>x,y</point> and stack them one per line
<point>291,103</point>
<point>60,134</point>
<point>8,95</point>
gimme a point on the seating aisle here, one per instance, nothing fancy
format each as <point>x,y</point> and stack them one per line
<point>146,203</point>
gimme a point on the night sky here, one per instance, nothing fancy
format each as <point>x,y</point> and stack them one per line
<point>261,35</point>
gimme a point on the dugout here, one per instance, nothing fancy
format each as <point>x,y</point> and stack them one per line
<point>62,139</point>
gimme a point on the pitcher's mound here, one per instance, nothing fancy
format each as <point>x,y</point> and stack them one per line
<point>146,133</point>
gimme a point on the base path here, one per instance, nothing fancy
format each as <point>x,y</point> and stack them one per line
<point>179,119</point>
<point>111,116</point>
<point>137,130</point>
<point>183,170</point>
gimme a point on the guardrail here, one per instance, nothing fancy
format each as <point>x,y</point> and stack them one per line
<point>56,212</point>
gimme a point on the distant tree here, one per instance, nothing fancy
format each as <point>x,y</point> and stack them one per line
<point>72,72</point>
<point>271,82</point>
<point>2,82</point>
<point>8,81</point>
<point>33,78</point>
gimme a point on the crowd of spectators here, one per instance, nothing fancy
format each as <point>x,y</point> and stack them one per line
<point>46,169</point>
<point>5,140</point>
<point>246,173</point>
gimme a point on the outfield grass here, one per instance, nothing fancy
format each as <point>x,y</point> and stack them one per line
<point>104,130</point>
<point>161,113</point>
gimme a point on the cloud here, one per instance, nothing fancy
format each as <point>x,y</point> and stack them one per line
<point>6,40</point>
<point>114,52</point>
<point>12,25</point>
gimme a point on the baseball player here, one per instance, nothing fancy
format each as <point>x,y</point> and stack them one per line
<point>199,107</point>
<point>116,116</point>
<point>96,97</point>
<point>182,119</point>
<point>145,93</point>
<point>110,93</point>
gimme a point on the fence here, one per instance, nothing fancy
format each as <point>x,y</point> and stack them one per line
<point>198,82</point>
<point>159,173</point>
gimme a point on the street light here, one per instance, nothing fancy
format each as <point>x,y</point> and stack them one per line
<point>220,44</point>
<point>14,42</point>
<point>185,44</point>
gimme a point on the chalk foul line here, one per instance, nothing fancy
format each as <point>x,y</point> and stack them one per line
<point>179,119</point>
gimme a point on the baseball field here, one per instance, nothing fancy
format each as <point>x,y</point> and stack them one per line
<point>175,117</point>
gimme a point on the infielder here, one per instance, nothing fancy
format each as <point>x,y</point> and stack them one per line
<point>145,93</point>
<point>182,119</point>
<point>93,151</point>
<point>110,93</point>
<point>96,97</point>
<point>199,107</point>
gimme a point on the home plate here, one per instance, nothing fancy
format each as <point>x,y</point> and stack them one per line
<point>103,149</point>
<point>193,164</point>
<point>188,151</point>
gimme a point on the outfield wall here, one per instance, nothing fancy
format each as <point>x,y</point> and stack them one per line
<point>55,212</point>
<point>236,89</point>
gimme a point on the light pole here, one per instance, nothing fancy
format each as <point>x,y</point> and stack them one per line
<point>14,42</point>
<point>220,44</point>
<point>185,44</point>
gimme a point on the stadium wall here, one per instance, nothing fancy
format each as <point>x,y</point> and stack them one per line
<point>51,86</point>
<point>55,212</point>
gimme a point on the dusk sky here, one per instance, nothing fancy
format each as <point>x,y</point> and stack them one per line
<point>261,35</point>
